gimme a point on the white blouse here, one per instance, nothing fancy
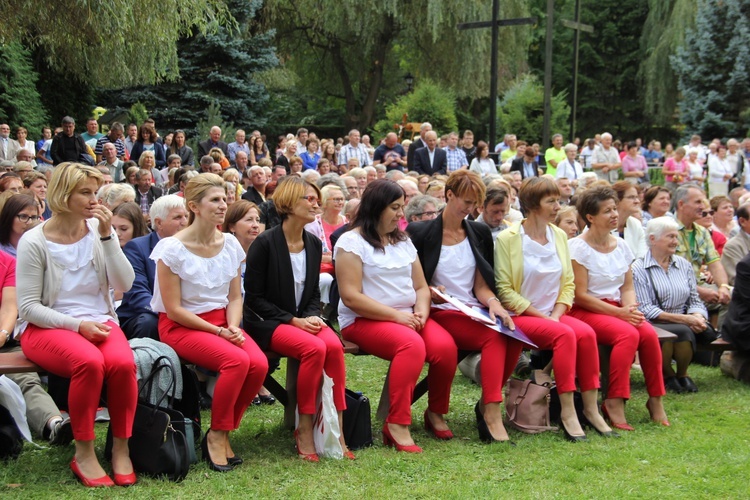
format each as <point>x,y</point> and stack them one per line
<point>542,272</point>
<point>204,282</point>
<point>80,296</point>
<point>606,270</point>
<point>299,269</point>
<point>455,271</point>
<point>386,276</point>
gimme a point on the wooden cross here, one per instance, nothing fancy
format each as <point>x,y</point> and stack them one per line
<point>495,24</point>
<point>578,27</point>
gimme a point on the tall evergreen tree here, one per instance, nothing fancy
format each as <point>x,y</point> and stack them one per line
<point>20,103</point>
<point>713,68</point>
<point>214,68</point>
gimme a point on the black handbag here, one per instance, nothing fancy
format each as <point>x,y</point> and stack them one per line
<point>157,446</point>
<point>11,441</point>
<point>357,421</point>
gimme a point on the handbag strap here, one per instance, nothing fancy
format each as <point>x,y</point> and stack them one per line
<point>156,367</point>
<point>653,287</point>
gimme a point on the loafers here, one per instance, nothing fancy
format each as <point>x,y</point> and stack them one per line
<point>673,385</point>
<point>687,384</point>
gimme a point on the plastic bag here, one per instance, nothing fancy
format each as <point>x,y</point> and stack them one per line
<point>326,429</point>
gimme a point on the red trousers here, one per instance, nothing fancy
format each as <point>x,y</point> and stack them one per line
<point>574,350</point>
<point>625,340</point>
<point>315,353</point>
<point>242,369</point>
<point>87,365</point>
<point>499,353</point>
<point>407,351</point>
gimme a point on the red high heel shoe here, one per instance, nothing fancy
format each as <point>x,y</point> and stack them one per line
<point>104,481</point>
<point>622,426</point>
<point>125,479</point>
<point>389,441</point>
<point>445,435</point>
<point>348,454</point>
<point>309,457</point>
<point>664,422</point>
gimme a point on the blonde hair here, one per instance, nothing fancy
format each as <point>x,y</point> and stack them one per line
<point>144,155</point>
<point>326,193</point>
<point>289,192</point>
<point>197,187</point>
<point>66,178</point>
<point>110,194</point>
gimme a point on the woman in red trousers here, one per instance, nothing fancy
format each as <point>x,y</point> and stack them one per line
<point>198,295</point>
<point>282,305</point>
<point>66,267</point>
<point>535,283</point>
<point>385,304</point>
<point>457,256</point>
<point>605,300</point>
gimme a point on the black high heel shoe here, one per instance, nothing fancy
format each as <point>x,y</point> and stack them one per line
<point>484,431</point>
<point>207,458</point>
<point>570,437</point>
<point>607,434</point>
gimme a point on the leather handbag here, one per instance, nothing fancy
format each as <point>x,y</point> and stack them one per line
<point>157,446</point>
<point>357,421</point>
<point>527,406</point>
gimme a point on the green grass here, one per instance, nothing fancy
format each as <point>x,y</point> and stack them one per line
<point>706,453</point>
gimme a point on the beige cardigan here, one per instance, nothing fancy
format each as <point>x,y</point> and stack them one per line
<point>38,278</point>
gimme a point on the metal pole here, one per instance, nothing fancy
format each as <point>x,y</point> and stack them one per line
<point>493,74</point>
<point>548,76</point>
<point>576,40</point>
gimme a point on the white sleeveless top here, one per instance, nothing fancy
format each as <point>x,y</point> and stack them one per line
<point>606,270</point>
<point>455,271</point>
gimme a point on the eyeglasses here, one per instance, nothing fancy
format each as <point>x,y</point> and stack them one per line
<point>427,214</point>
<point>706,213</point>
<point>337,200</point>
<point>26,218</point>
<point>310,199</point>
<point>634,197</point>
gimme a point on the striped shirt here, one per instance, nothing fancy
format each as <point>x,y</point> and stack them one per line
<point>456,159</point>
<point>360,153</point>
<point>119,145</point>
<point>676,289</point>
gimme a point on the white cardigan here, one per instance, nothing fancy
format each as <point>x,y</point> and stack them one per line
<point>38,278</point>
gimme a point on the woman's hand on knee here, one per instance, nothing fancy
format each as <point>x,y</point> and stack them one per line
<point>234,335</point>
<point>309,325</point>
<point>93,331</point>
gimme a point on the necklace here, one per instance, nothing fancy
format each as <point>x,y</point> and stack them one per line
<point>453,236</point>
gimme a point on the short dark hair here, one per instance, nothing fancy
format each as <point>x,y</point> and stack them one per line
<point>743,212</point>
<point>652,193</point>
<point>376,197</point>
<point>495,196</point>
<point>13,207</point>
<point>589,202</point>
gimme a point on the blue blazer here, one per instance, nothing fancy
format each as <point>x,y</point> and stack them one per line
<point>137,300</point>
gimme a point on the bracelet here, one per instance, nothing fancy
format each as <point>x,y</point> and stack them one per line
<point>725,285</point>
<point>491,299</point>
<point>7,335</point>
<point>218,332</point>
<point>106,238</point>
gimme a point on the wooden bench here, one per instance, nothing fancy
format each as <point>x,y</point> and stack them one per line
<point>16,362</point>
<point>718,345</point>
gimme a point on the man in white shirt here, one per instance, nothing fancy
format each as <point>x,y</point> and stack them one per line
<point>606,160</point>
<point>354,150</point>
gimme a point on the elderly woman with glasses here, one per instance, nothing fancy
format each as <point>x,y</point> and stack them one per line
<point>421,207</point>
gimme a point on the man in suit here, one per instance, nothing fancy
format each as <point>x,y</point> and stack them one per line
<point>256,192</point>
<point>214,141</point>
<point>418,144</point>
<point>526,165</point>
<point>8,147</point>
<point>146,193</point>
<point>137,320</point>
<point>739,246</point>
<point>430,159</point>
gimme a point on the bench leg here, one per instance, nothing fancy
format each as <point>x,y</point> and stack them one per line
<point>292,369</point>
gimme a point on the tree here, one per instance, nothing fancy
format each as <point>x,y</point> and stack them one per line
<point>712,67</point>
<point>20,103</point>
<point>429,102</point>
<point>360,51</point>
<point>663,32</point>
<point>215,68</point>
<point>111,42</point>
<point>521,110</point>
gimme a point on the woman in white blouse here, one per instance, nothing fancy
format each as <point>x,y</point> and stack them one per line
<point>719,173</point>
<point>198,295</point>
<point>605,300</point>
<point>66,267</point>
<point>385,304</point>
<point>629,226</point>
<point>569,168</point>
<point>482,163</point>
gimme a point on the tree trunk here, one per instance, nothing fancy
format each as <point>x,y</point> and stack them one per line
<point>380,51</point>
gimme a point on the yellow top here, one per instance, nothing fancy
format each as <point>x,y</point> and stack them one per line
<point>509,269</point>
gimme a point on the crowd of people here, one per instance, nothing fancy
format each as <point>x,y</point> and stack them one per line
<point>237,249</point>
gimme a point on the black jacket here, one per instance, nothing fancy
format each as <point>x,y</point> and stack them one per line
<point>517,166</point>
<point>427,237</point>
<point>269,284</point>
<point>736,327</point>
<point>419,143</point>
<point>253,196</point>
<point>58,153</point>
<point>422,162</point>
